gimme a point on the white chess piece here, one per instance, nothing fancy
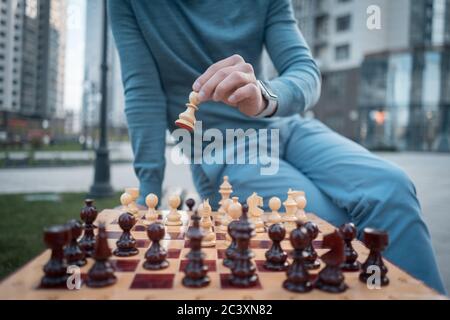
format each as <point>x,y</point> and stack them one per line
<point>134,193</point>
<point>274,205</point>
<point>126,201</point>
<point>230,210</point>
<point>289,218</point>
<point>225,219</point>
<point>234,212</point>
<point>205,211</point>
<point>255,213</point>
<point>225,191</point>
<point>151,201</point>
<point>300,198</point>
<point>174,217</point>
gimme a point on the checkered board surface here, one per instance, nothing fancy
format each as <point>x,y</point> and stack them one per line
<point>135,282</point>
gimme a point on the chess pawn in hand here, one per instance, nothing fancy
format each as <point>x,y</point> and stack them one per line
<point>151,201</point>
<point>209,236</point>
<point>274,205</point>
<point>301,205</point>
<point>174,217</point>
<point>186,120</point>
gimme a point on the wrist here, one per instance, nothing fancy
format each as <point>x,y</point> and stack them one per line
<point>269,103</point>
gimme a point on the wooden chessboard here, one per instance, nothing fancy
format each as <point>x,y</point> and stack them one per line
<point>135,282</point>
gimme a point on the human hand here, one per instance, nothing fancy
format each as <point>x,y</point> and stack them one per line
<point>233,82</point>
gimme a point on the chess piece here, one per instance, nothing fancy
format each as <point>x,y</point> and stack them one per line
<point>300,199</point>
<point>186,120</point>
<point>276,257</point>
<point>88,215</point>
<point>55,238</point>
<point>376,241</point>
<point>126,245</point>
<point>234,213</point>
<point>230,252</point>
<point>190,203</point>
<point>126,201</point>
<point>289,218</point>
<point>348,232</point>
<point>311,257</point>
<point>195,271</point>
<point>225,191</point>
<point>331,279</point>
<point>101,273</point>
<point>243,270</point>
<point>234,210</point>
<point>274,205</point>
<point>155,257</point>
<point>297,274</point>
<point>255,213</point>
<point>174,217</point>
<point>209,236</point>
<point>73,253</point>
<point>152,214</point>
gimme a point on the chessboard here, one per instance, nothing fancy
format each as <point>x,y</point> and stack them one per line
<point>135,282</point>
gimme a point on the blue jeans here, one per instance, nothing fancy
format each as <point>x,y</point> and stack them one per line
<point>344,182</point>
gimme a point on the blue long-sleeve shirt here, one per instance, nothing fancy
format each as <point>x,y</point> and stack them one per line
<point>165,45</point>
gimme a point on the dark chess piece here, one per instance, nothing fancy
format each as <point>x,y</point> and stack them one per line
<point>276,257</point>
<point>88,215</point>
<point>102,273</point>
<point>196,272</point>
<point>376,241</point>
<point>190,203</point>
<point>311,257</point>
<point>55,270</point>
<point>155,257</point>
<point>297,274</point>
<point>243,270</point>
<point>331,279</point>
<point>126,245</point>
<point>73,253</point>
<point>348,232</point>
<point>230,252</point>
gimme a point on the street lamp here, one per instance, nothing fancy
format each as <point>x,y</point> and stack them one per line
<point>101,187</point>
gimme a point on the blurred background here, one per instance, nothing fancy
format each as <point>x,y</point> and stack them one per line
<point>386,85</point>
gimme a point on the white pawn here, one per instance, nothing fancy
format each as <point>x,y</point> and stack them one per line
<point>234,212</point>
<point>126,200</point>
<point>289,218</point>
<point>151,201</point>
<point>301,204</point>
<point>274,205</point>
<point>225,219</point>
<point>205,211</point>
<point>174,217</point>
<point>134,193</point>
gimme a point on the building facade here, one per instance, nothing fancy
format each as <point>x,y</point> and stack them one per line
<point>32,57</point>
<point>385,69</point>
<point>92,75</point>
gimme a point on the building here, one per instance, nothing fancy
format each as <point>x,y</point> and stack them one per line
<point>92,75</point>
<point>385,69</point>
<point>32,55</point>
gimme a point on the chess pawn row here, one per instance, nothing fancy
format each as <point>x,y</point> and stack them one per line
<point>209,236</point>
<point>174,217</point>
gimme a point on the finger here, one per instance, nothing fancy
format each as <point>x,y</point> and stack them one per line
<point>231,83</point>
<point>250,90</point>
<point>227,62</point>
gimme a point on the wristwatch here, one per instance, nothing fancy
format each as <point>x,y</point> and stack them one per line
<point>272,100</point>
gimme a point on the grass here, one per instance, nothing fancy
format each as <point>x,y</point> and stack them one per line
<point>22,222</point>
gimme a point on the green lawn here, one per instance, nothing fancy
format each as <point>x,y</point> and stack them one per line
<point>22,222</point>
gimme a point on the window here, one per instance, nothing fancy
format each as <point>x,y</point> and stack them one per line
<point>342,52</point>
<point>343,23</point>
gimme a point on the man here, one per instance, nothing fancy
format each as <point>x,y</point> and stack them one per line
<point>165,48</point>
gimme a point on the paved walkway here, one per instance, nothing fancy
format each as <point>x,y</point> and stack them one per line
<point>430,172</point>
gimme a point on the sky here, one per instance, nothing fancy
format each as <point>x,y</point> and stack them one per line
<point>74,65</point>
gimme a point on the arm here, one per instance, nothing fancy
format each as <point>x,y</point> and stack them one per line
<point>298,86</point>
<point>145,101</point>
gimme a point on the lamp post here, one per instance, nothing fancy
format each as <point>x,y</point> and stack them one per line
<point>101,187</point>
